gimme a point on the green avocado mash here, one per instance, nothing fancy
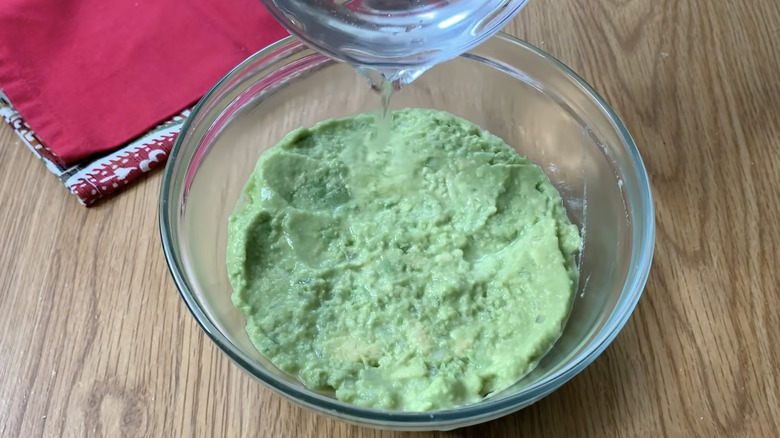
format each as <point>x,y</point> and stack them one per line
<point>421,272</point>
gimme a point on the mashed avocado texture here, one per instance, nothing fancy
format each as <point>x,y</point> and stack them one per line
<point>415,272</point>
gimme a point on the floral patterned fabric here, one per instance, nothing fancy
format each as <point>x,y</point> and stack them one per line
<point>97,178</point>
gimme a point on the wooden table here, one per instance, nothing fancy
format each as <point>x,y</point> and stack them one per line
<point>97,342</point>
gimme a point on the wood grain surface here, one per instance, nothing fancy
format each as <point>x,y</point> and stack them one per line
<point>96,341</point>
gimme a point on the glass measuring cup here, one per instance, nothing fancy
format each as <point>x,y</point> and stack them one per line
<point>398,38</point>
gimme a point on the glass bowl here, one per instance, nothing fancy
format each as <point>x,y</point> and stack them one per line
<point>399,37</point>
<point>505,85</point>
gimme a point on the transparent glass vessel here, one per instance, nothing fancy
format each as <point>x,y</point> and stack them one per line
<point>400,38</point>
<point>508,87</point>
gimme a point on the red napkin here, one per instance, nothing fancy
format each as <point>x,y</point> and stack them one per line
<point>90,76</point>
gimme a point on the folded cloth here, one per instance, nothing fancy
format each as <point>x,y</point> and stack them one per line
<point>98,89</point>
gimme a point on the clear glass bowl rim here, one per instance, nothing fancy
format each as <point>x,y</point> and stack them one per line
<point>643,230</point>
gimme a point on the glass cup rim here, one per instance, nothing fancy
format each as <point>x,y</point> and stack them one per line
<point>641,259</point>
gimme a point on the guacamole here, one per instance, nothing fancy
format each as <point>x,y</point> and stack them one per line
<point>419,271</point>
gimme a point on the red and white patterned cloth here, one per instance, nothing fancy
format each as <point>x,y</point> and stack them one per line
<point>98,90</point>
<point>95,179</point>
